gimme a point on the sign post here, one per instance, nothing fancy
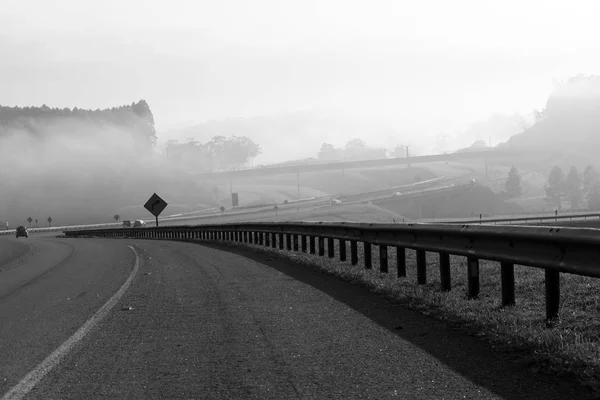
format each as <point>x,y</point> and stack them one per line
<point>155,205</point>
<point>29,220</point>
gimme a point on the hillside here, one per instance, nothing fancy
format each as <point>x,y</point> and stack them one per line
<point>566,130</point>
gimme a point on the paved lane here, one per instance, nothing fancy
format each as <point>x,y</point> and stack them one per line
<point>211,324</point>
<point>48,292</point>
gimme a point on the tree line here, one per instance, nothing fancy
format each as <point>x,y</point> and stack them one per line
<point>577,189</point>
<point>136,118</point>
<point>220,153</point>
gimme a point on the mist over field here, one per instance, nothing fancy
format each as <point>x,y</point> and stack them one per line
<point>78,171</point>
<point>235,85</point>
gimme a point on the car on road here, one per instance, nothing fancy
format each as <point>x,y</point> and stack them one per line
<point>21,231</point>
<point>139,223</point>
<point>396,194</point>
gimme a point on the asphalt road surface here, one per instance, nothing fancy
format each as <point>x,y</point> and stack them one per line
<point>82,319</point>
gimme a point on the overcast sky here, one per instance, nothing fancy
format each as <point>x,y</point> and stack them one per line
<point>422,66</point>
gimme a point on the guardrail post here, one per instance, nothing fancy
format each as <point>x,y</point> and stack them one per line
<point>312,244</point>
<point>274,240</point>
<point>295,242</point>
<point>303,243</point>
<point>267,238</point>
<point>330,248</point>
<point>445,277</point>
<point>473,277</point>
<point>259,238</point>
<point>507,277</point>
<point>367,254</point>
<point>421,267</point>
<point>354,252</point>
<point>342,250</point>
<point>383,258</point>
<point>288,241</point>
<point>246,240</point>
<point>280,241</point>
<point>321,245</point>
<point>401,261</point>
<point>552,282</point>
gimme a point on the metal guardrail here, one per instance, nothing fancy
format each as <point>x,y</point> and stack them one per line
<point>532,218</point>
<point>555,250</point>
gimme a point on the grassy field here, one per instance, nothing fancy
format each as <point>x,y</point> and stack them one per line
<point>568,347</point>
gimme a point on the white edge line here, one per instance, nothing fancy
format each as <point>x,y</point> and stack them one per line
<point>35,376</point>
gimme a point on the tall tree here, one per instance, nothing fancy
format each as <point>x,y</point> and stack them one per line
<point>574,187</point>
<point>232,152</point>
<point>513,182</point>
<point>356,144</point>
<point>555,187</point>
<point>593,198</point>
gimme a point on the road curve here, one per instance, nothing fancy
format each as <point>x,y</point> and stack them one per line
<point>207,323</point>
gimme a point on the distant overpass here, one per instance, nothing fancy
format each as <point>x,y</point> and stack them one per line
<point>338,166</point>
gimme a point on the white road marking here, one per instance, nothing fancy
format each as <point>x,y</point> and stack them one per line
<point>36,375</point>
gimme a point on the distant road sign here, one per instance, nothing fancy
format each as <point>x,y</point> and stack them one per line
<point>155,205</point>
<point>235,200</point>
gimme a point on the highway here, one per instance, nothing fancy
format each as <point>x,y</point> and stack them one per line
<point>94,318</point>
<point>385,162</point>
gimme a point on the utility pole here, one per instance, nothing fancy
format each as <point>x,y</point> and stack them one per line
<point>298,182</point>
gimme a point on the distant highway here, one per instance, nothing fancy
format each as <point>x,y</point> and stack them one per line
<point>82,319</point>
<point>338,166</point>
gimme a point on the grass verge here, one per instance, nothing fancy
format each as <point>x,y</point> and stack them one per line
<point>569,347</point>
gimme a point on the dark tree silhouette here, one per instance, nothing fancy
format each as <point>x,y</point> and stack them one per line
<point>513,182</point>
<point>574,187</point>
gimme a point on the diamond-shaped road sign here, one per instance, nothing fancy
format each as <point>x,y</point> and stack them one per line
<point>155,205</point>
